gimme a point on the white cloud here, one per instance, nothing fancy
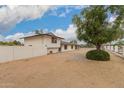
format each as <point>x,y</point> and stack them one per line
<point>80,6</point>
<point>67,10</point>
<point>16,37</point>
<point>68,34</point>
<point>14,14</point>
<point>2,38</point>
<point>11,15</point>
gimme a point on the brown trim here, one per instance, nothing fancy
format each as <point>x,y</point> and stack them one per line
<point>43,35</point>
<point>53,47</point>
<point>68,43</point>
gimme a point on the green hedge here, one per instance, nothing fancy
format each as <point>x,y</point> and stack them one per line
<point>99,55</point>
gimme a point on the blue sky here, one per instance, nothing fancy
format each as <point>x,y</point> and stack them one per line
<point>18,21</point>
<point>58,17</point>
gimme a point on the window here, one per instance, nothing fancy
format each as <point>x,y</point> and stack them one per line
<point>65,47</point>
<point>51,52</point>
<point>75,47</point>
<point>71,46</point>
<point>54,40</point>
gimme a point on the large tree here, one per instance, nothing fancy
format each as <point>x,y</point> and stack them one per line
<point>94,24</point>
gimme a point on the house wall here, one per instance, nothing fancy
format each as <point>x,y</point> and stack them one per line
<point>68,48</point>
<point>34,41</point>
<point>39,41</point>
<point>56,50</point>
<point>9,53</point>
<point>48,42</point>
<point>44,41</point>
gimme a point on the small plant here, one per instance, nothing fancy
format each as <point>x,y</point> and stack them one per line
<point>99,55</point>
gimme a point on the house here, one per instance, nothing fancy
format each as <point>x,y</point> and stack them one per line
<point>36,45</point>
<point>50,42</point>
<point>67,46</point>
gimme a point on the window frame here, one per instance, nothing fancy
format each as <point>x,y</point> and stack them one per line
<point>71,46</point>
<point>53,40</point>
<point>65,47</point>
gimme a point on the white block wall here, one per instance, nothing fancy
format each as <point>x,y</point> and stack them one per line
<point>116,48</point>
<point>112,48</point>
<point>9,53</point>
<point>123,52</point>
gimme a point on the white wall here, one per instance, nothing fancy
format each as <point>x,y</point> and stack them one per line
<point>41,41</point>
<point>6,53</point>
<point>47,41</point>
<point>9,53</point>
<point>68,48</point>
<point>123,52</point>
<point>56,50</point>
<point>118,50</point>
<point>34,41</point>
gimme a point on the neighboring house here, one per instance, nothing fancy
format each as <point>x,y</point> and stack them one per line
<point>50,42</point>
<point>67,46</point>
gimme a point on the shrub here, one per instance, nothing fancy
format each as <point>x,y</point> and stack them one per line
<point>99,55</point>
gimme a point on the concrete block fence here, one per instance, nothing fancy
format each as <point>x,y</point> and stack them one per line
<point>10,53</point>
<point>117,49</point>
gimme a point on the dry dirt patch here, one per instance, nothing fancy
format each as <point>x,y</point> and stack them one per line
<point>68,69</point>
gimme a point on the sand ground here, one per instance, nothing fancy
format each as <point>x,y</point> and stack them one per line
<point>68,69</point>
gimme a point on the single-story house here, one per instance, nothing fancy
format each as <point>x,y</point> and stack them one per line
<point>67,46</point>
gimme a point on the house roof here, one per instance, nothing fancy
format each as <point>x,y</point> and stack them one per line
<point>44,34</point>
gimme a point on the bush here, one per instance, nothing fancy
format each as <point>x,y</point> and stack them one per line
<point>99,55</point>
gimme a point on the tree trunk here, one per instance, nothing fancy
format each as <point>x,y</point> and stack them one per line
<point>98,46</point>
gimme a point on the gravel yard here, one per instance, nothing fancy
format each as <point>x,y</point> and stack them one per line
<point>68,69</point>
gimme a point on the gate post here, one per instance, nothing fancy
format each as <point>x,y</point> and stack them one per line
<point>116,48</point>
<point>112,48</point>
<point>123,51</point>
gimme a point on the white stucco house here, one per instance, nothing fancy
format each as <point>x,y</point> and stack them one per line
<point>50,42</point>
<point>36,45</point>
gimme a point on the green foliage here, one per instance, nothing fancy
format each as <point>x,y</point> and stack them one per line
<point>16,42</point>
<point>13,43</point>
<point>88,45</point>
<point>119,11</point>
<point>93,25</point>
<point>98,55</point>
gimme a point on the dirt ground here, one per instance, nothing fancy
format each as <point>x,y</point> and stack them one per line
<point>64,70</point>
